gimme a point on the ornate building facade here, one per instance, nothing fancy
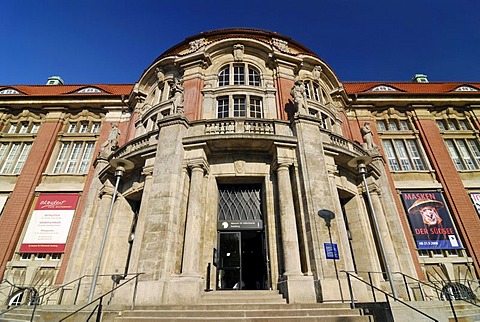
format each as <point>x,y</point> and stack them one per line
<point>215,165</point>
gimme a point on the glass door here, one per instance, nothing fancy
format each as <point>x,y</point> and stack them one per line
<point>229,270</point>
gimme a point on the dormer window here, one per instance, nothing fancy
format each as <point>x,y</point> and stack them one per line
<point>383,88</point>
<point>89,90</point>
<point>465,88</point>
<point>9,91</point>
<point>239,74</point>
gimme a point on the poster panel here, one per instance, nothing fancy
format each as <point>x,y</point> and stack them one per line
<point>476,202</point>
<point>431,224</point>
<point>49,224</point>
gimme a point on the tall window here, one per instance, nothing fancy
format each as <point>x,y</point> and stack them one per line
<point>461,141</point>
<point>74,157</point>
<point>465,153</point>
<point>401,145</point>
<point>239,102</point>
<point>13,156</point>
<point>76,147</point>
<point>242,106</point>
<point>403,155</point>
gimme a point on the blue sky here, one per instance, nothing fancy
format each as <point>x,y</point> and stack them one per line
<point>114,41</point>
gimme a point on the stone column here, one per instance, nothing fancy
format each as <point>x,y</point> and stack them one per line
<point>193,229</point>
<point>390,253</point>
<point>296,286</point>
<point>288,223</point>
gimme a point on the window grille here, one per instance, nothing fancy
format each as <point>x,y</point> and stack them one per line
<point>239,202</point>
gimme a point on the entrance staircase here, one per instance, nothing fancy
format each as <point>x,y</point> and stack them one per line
<point>231,306</point>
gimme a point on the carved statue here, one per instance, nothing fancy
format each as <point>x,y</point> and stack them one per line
<point>178,96</point>
<point>238,51</point>
<point>111,143</point>
<point>368,138</point>
<point>160,75</point>
<point>298,94</point>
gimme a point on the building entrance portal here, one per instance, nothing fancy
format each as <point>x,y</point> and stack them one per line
<point>241,261</point>
<point>242,256</point>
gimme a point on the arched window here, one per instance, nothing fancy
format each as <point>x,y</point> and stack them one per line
<point>239,74</point>
<point>241,102</point>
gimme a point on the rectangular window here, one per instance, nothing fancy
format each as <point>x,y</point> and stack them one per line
<point>316,92</point>
<point>381,125</point>
<point>256,107</point>
<point>74,157</point>
<point>465,154</point>
<point>13,128</point>
<point>95,127</point>
<point>222,107</point>
<point>253,77</point>
<point>239,107</point>
<point>392,125</point>
<point>403,155</point>
<point>404,125</point>
<point>83,128</point>
<point>307,90</point>
<point>15,157</point>
<point>238,75</point>
<point>23,128</point>
<point>441,125</point>
<point>35,127</point>
<point>72,128</point>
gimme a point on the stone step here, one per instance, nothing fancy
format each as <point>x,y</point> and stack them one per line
<point>254,319</point>
<point>228,297</point>
<point>245,306</point>
<point>242,313</point>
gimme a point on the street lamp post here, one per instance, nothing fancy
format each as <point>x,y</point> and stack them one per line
<point>328,215</point>
<point>121,165</point>
<point>361,163</point>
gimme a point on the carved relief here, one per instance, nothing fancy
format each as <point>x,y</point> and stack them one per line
<point>196,45</point>
<point>238,51</point>
<point>281,45</point>
<point>317,72</point>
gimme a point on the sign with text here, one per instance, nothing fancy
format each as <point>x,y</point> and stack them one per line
<point>240,225</point>
<point>476,202</point>
<point>430,221</point>
<point>331,251</point>
<point>49,224</point>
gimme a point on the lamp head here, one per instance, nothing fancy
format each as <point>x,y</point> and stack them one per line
<point>327,215</point>
<point>121,165</point>
<point>360,163</point>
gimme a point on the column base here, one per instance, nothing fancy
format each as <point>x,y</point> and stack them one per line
<point>298,289</point>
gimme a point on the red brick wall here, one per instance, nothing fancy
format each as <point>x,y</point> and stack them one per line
<point>106,127</point>
<point>20,202</point>
<point>456,195</point>
<point>193,99</point>
<point>284,99</point>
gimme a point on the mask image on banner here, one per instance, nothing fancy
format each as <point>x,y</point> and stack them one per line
<point>430,221</point>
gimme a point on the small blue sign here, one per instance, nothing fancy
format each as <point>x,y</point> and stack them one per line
<point>331,250</point>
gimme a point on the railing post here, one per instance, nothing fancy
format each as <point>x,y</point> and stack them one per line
<point>406,286</point>
<point>371,286</point>
<point>135,291</point>
<point>78,290</point>
<point>452,307</point>
<point>352,303</point>
<point>99,312</point>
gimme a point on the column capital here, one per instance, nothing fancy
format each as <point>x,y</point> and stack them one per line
<point>196,163</point>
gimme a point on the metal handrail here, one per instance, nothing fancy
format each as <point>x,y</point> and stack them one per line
<point>432,285</point>
<point>100,299</point>
<point>39,299</point>
<point>387,295</point>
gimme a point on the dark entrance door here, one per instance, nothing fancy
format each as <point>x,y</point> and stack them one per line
<point>242,257</point>
<point>242,261</point>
